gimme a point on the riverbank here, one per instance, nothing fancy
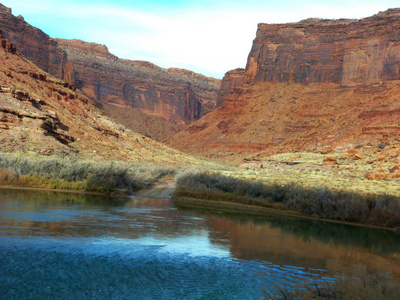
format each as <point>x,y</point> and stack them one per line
<point>237,208</point>
<point>306,189</point>
<point>163,188</point>
<point>77,174</point>
<point>18,188</point>
<point>217,191</point>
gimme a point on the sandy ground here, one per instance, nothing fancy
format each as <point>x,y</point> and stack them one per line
<point>164,190</point>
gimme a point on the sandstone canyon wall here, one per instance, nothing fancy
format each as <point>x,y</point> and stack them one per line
<point>178,97</point>
<point>340,51</point>
<point>40,113</point>
<point>320,51</point>
<point>153,101</point>
<point>306,86</point>
<point>33,43</point>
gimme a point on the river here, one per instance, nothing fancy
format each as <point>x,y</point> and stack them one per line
<point>74,246</point>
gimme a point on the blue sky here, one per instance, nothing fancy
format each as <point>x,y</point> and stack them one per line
<point>209,37</point>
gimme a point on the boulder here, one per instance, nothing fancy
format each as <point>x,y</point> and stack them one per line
<point>396,174</point>
<point>352,151</point>
<point>376,175</point>
<point>358,156</point>
<point>330,160</point>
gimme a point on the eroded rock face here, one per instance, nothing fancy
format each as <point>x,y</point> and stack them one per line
<point>43,114</point>
<point>342,51</point>
<point>177,95</point>
<point>33,43</point>
<point>232,80</point>
<point>307,86</point>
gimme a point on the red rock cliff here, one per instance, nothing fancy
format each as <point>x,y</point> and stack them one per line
<point>148,99</point>
<point>341,51</point>
<point>317,51</point>
<point>232,80</point>
<point>307,86</point>
<point>176,95</point>
<point>43,114</point>
<point>33,43</point>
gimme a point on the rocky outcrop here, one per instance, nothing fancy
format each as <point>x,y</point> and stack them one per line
<point>232,80</point>
<point>307,86</point>
<point>33,43</point>
<point>341,51</point>
<point>177,95</point>
<point>42,114</point>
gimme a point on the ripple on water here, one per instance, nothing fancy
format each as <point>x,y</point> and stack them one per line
<point>117,268</point>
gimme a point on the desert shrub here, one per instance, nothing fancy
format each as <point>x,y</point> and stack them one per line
<point>385,210</point>
<point>7,176</point>
<point>99,176</point>
<point>380,210</point>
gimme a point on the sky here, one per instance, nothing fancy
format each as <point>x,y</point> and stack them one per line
<point>206,36</point>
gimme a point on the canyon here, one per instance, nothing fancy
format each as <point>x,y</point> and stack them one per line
<point>41,114</point>
<point>307,86</point>
<point>315,86</point>
<point>164,100</point>
<point>148,99</point>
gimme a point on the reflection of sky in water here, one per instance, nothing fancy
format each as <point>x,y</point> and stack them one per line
<point>146,268</point>
<point>194,245</point>
<point>147,248</point>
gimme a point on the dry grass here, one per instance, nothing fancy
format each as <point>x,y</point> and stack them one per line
<point>372,209</point>
<point>78,174</point>
<point>308,170</point>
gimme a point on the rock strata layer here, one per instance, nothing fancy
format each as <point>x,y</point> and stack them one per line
<point>178,96</point>
<point>174,97</point>
<point>33,43</point>
<point>341,51</point>
<point>40,113</point>
<point>307,86</point>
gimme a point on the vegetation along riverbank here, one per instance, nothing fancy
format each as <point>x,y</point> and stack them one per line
<point>73,173</point>
<point>279,192</point>
<point>302,191</point>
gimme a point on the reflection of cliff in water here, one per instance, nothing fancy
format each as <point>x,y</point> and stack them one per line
<point>304,243</point>
<point>83,215</point>
<point>378,241</point>
<point>375,240</point>
<point>276,240</point>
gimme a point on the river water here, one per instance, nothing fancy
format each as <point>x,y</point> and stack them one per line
<point>71,246</point>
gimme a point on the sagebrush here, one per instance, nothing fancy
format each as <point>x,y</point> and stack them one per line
<point>373,209</point>
<point>76,173</point>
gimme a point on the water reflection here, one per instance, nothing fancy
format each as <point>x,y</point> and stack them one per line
<point>272,245</point>
<point>337,248</point>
